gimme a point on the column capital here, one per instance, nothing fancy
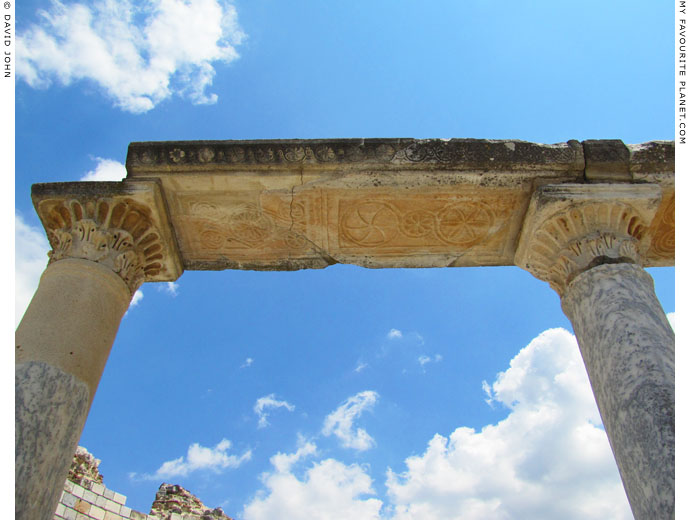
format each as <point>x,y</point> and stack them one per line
<point>123,226</point>
<point>570,228</point>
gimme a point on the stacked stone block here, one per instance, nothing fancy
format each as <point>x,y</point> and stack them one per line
<point>93,501</point>
<point>85,497</point>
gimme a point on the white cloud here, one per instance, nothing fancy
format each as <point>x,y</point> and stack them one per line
<point>394,334</point>
<point>138,53</point>
<point>198,458</point>
<point>247,363</point>
<point>169,287</point>
<point>424,359</point>
<point>106,170</point>
<point>30,260</point>
<point>136,298</point>
<point>549,458</point>
<point>329,490</point>
<point>339,422</point>
<point>672,320</point>
<point>267,402</point>
<point>283,462</point>
<point>360,366</point>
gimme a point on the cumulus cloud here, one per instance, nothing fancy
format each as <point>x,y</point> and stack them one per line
<point>198,458</point>
<point>247,363</point>
<point>329,489</point>
<point>268,402</point>
<point>30,260</point>
<point>549,458</point>
<point>361,366</point>
<point>106,170</point>
<point>340,421</point>
<point>170,287</point>
<point>136,298</point>
<point>394,334</point>
<point>424,359</point>
<point>138,53</point>
<point>284,462</point>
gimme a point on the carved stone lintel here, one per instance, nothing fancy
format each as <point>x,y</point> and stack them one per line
<point>571,228</point>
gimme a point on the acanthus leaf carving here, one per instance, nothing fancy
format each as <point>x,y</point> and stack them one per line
<point>116,234</point>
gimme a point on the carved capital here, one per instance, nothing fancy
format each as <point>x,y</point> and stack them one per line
<point>570,228</point>
<point>120,229</point>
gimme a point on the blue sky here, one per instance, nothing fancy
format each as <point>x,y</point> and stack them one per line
<point>345,392</point>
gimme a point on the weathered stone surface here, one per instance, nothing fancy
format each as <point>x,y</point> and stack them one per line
<point>50,410</point>
<point>173,501</point>
<point>296,204</point>
<point>606,160</point>
<point>61,347</point>
<point>628,349</point>
<point>84,468</point>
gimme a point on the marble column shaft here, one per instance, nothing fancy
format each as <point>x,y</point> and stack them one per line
<point>62,345</point>
<point>628,348</point>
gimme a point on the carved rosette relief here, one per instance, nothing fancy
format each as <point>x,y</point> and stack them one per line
<point>583,236</point>
<point>248,226</point>
<point>117,234</point>
<point>664,242</point>
<point>380,223</point>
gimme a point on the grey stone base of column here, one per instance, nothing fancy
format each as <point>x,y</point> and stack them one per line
<point>628,348</point>
<point>50,410</point>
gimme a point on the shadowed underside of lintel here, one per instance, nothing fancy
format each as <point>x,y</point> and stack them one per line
<point>295,204</point>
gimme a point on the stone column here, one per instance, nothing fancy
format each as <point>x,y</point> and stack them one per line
<point>102,250</point>
<point>588,242</point>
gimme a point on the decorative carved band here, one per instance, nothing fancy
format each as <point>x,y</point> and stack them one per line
<point>458,152</point>
<point>583,236</point>
<point>116,234</point>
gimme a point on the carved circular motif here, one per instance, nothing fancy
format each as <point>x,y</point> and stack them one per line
<point>295,241</point>
<point>176,155</point>
<point>370,224</point>
<point>235,154</point>
<point>324,153</point>
<point>264,155</point>
<point>294,154</point>
<point>211,238</point>
<point>415,152</point>
<point>464,224</point>
<point>417,223</point>
<point>250,226</point>
<point>206,154</point>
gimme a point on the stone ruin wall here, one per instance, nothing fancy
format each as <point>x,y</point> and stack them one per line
<point>85,497</point>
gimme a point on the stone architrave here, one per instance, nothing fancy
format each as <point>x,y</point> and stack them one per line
<point>588,242</point>
<point>106,241</point>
